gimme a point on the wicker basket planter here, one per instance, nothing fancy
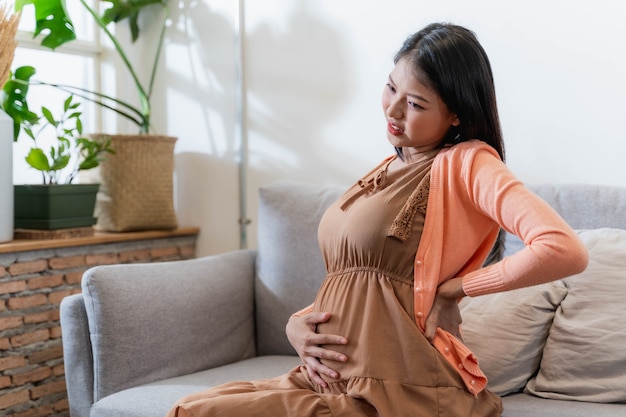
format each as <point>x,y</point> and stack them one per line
<point>137,184</point>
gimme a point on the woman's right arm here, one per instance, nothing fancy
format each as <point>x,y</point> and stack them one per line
<point>301,332</point>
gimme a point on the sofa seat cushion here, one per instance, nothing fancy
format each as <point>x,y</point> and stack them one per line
<point>523,405</point>
<point>155,399</point>
<point>585,356</point>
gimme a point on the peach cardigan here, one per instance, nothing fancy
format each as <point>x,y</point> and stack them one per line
<point>473,194</point>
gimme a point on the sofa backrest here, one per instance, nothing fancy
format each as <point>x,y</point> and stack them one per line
<point>289,264</point>
<point>586,206</point>
<point>582,206</point>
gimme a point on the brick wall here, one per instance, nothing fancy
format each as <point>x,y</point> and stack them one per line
<point>32,285</point>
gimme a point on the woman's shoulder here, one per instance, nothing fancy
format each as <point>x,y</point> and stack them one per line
<point>467,154</point>
<point>468,148</point>
<point>466,161</point>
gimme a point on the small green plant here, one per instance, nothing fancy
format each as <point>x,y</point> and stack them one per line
<point>71,152</point>
<point>70,144</point>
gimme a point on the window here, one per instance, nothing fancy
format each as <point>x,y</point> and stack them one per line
<point>76,64</point>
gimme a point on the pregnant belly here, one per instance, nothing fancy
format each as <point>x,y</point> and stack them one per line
<point>371,311</point>
<point>351,367</point>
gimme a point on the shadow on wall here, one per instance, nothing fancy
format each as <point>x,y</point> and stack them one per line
<point>202,77</point>
<point>204,36</point>
<point>297,80</point>
<point>195,174</point>
<point>296,75</point>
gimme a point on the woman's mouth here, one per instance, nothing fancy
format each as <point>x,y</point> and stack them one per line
<point>394,130</point>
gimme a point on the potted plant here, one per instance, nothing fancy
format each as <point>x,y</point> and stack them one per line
<point>136,190</point>
<point>56,203</point>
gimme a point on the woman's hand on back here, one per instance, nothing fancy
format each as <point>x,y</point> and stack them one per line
<point>445,312</point>
<point>301,332</point>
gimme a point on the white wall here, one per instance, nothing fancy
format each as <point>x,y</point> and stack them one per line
<point>315,70</point>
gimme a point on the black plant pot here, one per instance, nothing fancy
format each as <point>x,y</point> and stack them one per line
<point>51,207</point>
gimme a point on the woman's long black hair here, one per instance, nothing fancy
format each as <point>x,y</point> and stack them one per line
<point>449,59</point>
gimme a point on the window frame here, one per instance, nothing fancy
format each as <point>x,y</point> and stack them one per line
<point>79,47</point>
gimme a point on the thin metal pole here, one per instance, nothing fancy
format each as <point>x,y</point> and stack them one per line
<point>240,32</point>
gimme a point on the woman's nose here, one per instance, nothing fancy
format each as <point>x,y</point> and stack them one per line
<point>395,109</point>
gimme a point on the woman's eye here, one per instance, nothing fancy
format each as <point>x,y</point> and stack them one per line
<point>415,105</point>
<point>391,88</point>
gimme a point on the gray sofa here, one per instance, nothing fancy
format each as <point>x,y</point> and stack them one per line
<point>141,336</point>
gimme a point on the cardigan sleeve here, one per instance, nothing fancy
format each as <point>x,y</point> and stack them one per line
<point>552,250</point>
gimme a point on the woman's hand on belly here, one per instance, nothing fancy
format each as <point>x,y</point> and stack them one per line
<point>308,344</point>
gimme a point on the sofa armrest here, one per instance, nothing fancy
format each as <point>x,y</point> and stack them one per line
<point>77,357</point>
<point>149,322</point>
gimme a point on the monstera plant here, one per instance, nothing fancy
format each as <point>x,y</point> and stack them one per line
<point>55,27</point>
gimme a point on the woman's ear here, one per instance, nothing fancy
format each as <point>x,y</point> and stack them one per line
<point>456,122</point>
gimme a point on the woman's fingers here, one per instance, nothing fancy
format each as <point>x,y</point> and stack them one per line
<point>316,318</point>
<point>316,369</point>
<point>444,314</point>
<point>311,346</point>
<point>327,354</point>
<point>315,339</point>
<point>315,376</point>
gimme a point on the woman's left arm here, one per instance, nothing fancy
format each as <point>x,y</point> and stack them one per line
<point>552,250</point>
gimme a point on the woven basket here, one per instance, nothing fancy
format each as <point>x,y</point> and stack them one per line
<point>137,184</point>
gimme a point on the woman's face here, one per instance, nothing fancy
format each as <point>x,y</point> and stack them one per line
<point>416,116</point>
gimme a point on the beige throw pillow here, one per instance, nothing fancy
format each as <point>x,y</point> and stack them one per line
<point>507,332</point>
<point>585,355</point>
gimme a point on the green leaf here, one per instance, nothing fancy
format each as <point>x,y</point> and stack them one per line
<point>60,162</point>
<point>89,163</point>
<point>29,132</point>
<point>49,117</point>
<point>64,143</point>
<point>52,19</point>
<point>36,158</point>
<point>14,99</point>
<point>67,103</point>
<point>127,9</point>
<point>25,72</point>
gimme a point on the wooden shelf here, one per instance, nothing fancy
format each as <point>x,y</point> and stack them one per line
<point>22,245</point>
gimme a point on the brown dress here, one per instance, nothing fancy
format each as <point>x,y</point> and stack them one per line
<point>368,239</point>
